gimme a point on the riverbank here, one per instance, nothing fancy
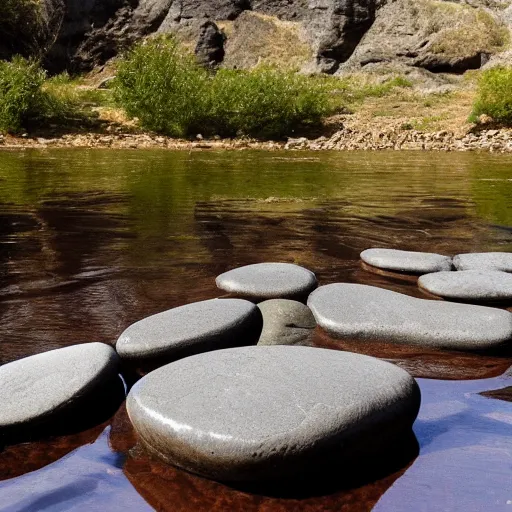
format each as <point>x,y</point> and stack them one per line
<point>348,138</point>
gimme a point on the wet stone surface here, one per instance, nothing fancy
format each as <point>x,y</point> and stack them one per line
<point>406,261</point>
<point>286,322</point>
<point>191,329</point>
<point>39,389</point>
<point>266,413</point>
<point>484,260</point>
<point>469,285</point>
<point>366,313</point>
<point>268,281</point>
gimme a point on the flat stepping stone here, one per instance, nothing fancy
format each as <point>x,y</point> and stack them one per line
<point>36,388</point>
<point>286,322</point>
<point>268,281</point>
<point>484,260</point>
<point>260,413</point>
<point>192,329</point>
<point>359,312</point>
<point>469,285</point>
<point>406,261</point>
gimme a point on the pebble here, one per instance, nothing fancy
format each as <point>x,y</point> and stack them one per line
<point>286,322</point>
<point>484,260</point>
<point>35,388</point>
<point>367,313</point>
<point>406,261</point>
<point>198,327</point>
<point>469,285</point>
<point>263,413</point>
<point>268,281</point>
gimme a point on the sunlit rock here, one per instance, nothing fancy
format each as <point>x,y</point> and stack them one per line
<point>484,260</point>
<point>366,313</point>
<point>406,261</point>
<point>260,413</point>
<point>192,329</point>
<point>268,281</point>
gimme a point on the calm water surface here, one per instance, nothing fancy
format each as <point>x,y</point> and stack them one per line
<point>92,240</point>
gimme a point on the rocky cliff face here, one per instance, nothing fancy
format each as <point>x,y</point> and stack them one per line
<point>314,35</point>
<point>29,30</point>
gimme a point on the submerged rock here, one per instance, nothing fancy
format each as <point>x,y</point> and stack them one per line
<point>261,413</point>
<point>484,260</point>
<point>191,329</point>
<point>286,322</point>
<point>366,313</point>
<point>406,261</point>
<point>35,388</point>
<point>268,281</point>
<point>476,285</point>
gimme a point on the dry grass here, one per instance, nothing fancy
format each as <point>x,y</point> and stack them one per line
<point>473,31</point>
<point>256,38</point>
<point>406,110</point>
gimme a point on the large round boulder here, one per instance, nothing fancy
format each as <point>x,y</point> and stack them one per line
<point>484,261</point>
<point>262,413</point>
<point>268,281</point>
<point>192,329</point>
<point>367,313</point>
<point>286,322</point>
<point>35,389</point>
<point>406,261</point>
<point>469,285</point>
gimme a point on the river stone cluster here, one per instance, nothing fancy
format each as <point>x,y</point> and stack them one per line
<point>406,261</point>
<point>480,277</point>
<point>268,281</point>
<point>36,388</point>
<point>191,329</point>
<point>258,413</point>
<point>469,285</point>
<point>367,313</point>
<point>227,409</point>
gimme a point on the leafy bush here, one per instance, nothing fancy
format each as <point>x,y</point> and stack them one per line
<point>20,90</point>
<point>168,92</point>
<point>26,97</point>
<point>19,17</point>
<point>494,97</point>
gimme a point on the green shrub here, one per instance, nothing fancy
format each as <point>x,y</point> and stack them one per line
<point>27,98</point>
<point>494,97</point>
<point>20,90</point>
<point>163,87</point>
<point>19,17</point>
<point>168,92</point>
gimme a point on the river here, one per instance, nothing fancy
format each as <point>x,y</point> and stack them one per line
<point>93,240</point>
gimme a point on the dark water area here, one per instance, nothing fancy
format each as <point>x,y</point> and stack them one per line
<point>92,241</point>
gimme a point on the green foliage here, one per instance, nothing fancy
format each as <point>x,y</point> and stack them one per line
<point>168,92</point>
<point>494,97</point>
<point>27,98</point>
<point>20,90</point>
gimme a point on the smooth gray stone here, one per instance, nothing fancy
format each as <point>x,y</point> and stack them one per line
<point>484,260</point>
<point>268,281</point>
<point>367,313</point>
<point>406,261</point>
<point>191,329</point>
<point>477,285</point>
<point>286,322</point>
<point>256,413</point>
<point>34,388</point>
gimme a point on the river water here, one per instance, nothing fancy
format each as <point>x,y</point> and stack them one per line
<point>93,240</point>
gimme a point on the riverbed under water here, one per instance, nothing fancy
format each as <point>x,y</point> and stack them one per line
<point>94,240</point>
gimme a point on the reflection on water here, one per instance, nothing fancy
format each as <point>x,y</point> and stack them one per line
<point>464,465</point>
<point>91,241</point>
